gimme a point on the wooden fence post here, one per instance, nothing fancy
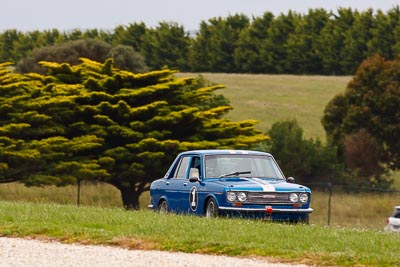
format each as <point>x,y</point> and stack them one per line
<point>79,192</point>
<point>329,203</point>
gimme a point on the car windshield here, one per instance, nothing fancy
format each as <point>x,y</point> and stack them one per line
<point>396,213</point>
<point>234,165</point>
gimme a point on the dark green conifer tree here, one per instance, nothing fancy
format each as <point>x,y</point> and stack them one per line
<point>93,121</point>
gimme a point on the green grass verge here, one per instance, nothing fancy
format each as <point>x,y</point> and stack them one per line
<point>234,237</point>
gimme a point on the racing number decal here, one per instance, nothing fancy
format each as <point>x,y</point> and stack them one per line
<point>193,198</point>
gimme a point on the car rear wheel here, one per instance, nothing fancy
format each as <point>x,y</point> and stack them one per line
<point>211,209</point>
<point>163,207</point>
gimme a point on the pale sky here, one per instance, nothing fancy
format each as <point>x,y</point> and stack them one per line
<point>64,15</point>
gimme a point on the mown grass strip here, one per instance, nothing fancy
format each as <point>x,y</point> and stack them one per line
<point>234,237</point>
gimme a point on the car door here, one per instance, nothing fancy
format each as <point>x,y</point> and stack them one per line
<point>174,186</point>
<point>192,188</point>
<point>182,194</point>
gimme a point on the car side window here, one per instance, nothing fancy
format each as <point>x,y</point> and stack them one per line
<point>181,170</point>
<point>396,214</point>
<point>195,163</point>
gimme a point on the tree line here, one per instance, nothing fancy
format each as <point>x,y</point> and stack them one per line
<point>319,42</point>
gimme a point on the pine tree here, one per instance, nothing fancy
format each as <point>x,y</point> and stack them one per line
<point>93,121</point>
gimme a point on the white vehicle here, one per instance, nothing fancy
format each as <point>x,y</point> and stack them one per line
<point>393,222</point>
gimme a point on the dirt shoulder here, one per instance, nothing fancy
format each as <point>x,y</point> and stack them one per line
<point>27,252</point>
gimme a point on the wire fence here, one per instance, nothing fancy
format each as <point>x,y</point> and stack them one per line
<point>333,204</point>
<point>331,188</point>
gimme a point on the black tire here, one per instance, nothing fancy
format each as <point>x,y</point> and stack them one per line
<point>211,209</point>
<point>163,207</point>
<point>305,220</point>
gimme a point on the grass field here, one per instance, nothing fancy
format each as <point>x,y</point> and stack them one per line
<point>272,98</point>
<point>235,237</point>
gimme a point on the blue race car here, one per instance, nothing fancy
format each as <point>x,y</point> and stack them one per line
<point>230,182</point>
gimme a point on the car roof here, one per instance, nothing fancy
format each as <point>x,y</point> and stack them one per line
<point>225,151</point>
<point>397,207</point>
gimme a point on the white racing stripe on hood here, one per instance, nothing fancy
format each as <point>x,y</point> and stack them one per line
<point>267,187</point>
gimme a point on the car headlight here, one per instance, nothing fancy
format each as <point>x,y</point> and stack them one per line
<point>231,196</point>
<point>294,197</point>
<point>241,196</point>
<point>303,198</point>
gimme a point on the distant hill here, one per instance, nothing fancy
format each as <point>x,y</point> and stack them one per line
<point>272,98</point>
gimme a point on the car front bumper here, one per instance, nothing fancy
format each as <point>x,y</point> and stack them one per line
<point>266,210</point>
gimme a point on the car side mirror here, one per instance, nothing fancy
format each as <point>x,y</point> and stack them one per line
<point>194,179</point>
<point>290,180</point>
<point>194,175</point>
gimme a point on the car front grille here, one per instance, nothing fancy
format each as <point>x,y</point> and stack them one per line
<point>267,198</point>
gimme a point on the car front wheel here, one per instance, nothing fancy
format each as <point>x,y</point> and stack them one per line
<point>163,207</point>
<point>211,209</point>
<point>306,219</point>
<point>303,220</point>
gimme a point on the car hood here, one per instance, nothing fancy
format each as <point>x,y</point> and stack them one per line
<point>259,184</point>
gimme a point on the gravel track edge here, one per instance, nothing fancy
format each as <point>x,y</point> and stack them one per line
<point>15,252</point>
